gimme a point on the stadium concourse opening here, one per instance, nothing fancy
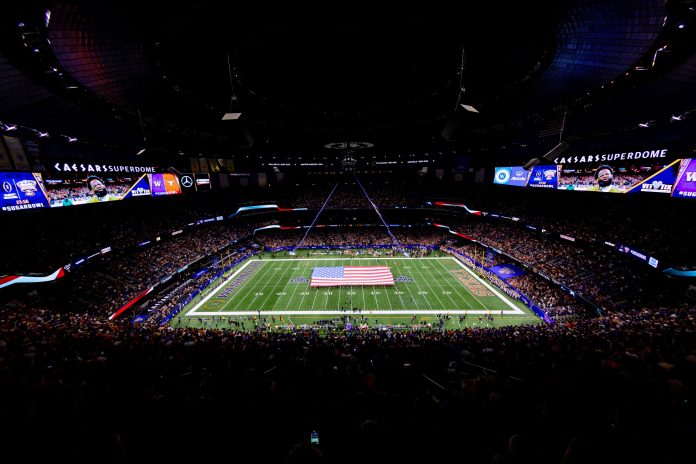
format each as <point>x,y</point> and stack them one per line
<point>235,233</point>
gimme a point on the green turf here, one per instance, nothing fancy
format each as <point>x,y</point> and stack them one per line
<point>269,293</point>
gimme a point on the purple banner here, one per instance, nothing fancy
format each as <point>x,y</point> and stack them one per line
<point>506,271</point>
<point>20,191</point>
<point>164,184</point>
<point>685,186</point>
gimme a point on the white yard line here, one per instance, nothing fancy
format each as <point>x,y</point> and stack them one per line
<point>350,259</point>
<point>362,312</point>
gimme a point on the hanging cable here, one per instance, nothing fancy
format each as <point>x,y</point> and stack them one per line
<point>560,134</point>
<point>394,240</point>
<point>142,129</point>
<point>315,219</point>
<point>462,64</point>
<point>233,96</point>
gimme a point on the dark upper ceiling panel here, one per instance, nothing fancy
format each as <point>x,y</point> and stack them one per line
<point>341,71</point>
<point>24,101</point>
<point>597,42</point>
<point>349,73</point>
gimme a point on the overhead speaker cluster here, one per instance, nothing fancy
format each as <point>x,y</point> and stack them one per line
<point>555,151</point>
<point>550,156</point>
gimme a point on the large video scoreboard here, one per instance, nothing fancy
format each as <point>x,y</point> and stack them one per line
<point>676,178</point>
<point>31,190</point>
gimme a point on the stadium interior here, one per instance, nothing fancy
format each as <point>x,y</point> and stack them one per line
<point>233,232</point>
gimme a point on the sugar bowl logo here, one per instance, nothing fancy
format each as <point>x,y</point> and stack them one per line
<point>27,187</point>
<point>549,174</point>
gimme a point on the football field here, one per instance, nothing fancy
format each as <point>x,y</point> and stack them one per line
<point>277,292</point>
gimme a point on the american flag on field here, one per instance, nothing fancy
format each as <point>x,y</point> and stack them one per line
<point>351,275</point>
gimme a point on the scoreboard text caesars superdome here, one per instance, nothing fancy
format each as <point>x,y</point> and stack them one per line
<point>30,190</point>
<point>627,172</point>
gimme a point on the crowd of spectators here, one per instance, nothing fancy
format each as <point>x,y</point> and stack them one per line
<point>601,275</point>
<point>170,303</point>
<point>644,222</point>
<point>77,231</point>
<point>348,194</point>
<point>346,236</point>
<point>616,388</point>
<point>546,295</point>
<point>654,223</point>
<point>117,278</point>
<point>608,389</point>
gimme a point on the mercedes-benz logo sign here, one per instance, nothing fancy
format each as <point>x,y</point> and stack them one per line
<point>186,181</point>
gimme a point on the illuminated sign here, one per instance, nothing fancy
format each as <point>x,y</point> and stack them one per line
<point>638,155</point>
<point>21,191</point>
<point>101,168</point>
<point>685,185</point>
<point>513,175</point>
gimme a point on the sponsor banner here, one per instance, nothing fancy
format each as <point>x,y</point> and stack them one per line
<point>685,184</point>
<point>21,191</point>
<point>16,151</point>
<point>82,167</point>
<point>188,182</point>
<point>641,156</point>
<point>545,176</point>
<point>192,182</point>
<point>202,182</point>
<point>506,271</point>
<point>490,254</point>
<point>164,184</point>
<point>141,188</point>
<point>200,273</point>
<point>513,175</point>
<point>637,254</point>
<point>660,182</point>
